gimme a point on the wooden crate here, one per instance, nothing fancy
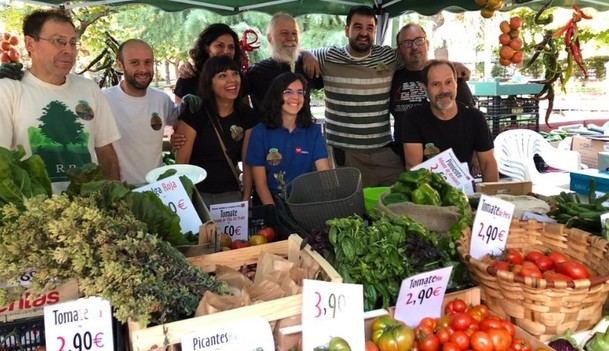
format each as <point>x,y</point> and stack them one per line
<point>141,339</point>
<point>289,333</point>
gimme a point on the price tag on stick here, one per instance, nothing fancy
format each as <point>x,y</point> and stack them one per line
<point>421,296</point>
<point>332,313</point>
<point>81,325</point>
<point>231,218</point>
<point>491,226</point>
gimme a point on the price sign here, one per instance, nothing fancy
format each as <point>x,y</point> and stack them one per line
<point>231,218</point>
<point>448,166</point>
<point>604,218</point>
<point>421,296</point>
<point>171,191</point>
<point>246,334</point>
<point>491,226</point>
<point>81,325</point>
<point>332,313</point>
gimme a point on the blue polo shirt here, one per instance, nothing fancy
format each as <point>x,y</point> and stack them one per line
<point>279,150</point>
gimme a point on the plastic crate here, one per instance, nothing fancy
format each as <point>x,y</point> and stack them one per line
<point>316,197</point>
<point>511,112</point>
<point>24,334</point>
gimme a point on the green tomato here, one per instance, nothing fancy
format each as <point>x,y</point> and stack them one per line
<point>338,344</point>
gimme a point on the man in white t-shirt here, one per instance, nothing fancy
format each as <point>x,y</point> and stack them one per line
<point>62,117</point>
<point>141,112</point>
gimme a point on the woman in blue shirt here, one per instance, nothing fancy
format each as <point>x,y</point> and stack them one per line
<point>287,142</point>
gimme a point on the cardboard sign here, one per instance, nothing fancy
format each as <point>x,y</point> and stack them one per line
<point>231,218</point>
<point>331,311</point>
<point>246,334</point>
<point>171,191</point>
<point>491,226</point>
<point>422,296</point>
<point>84,324</point>
<point>30,305</point>
<point>448,166</point>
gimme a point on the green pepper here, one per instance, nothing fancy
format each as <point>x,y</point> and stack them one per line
<point>417,177</point>
<point>599,342</point>
<point>393,198</point>
<point>402,188</point>
<point>438,182</point>
<point>426,195</point>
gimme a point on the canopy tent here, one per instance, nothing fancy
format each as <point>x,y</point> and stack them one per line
<point>389,8</point>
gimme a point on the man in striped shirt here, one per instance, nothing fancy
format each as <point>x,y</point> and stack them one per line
<point>357,83</point>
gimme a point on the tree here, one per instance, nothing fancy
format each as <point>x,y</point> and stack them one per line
<point>60,124</point>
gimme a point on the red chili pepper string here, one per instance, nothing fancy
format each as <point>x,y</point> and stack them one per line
<point>247,46</point>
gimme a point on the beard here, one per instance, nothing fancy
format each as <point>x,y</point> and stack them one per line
<point>444,104</point>
<point>285,54</point>
<point>360,47</point>
<point>138,84</point>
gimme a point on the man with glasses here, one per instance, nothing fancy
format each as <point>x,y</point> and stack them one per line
<point>62,117</point>
<point>407,89</point>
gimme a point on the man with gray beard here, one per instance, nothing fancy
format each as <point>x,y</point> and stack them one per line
<point>283,35</point>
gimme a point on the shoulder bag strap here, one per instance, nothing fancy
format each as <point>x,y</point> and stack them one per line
<point>223,147</point>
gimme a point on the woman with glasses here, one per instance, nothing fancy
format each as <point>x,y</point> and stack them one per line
<point>218,134</point>
<point>287,143</point>
<point>217,39</point>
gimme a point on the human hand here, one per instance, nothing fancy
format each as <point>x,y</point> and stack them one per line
<point>191,102</point>
<point>310,65</point>
<point>186,70</point>
<point>462,71</point>
<point>177,140</point>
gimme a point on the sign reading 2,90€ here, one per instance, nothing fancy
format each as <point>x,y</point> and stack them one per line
<point>81,325</point>
<point>491,226</point>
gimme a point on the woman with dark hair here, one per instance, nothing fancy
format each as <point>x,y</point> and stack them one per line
<point>217,135</point>
<point>287,143</point>
<point>217,39</point>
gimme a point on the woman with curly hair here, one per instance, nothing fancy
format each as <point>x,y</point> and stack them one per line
<point>217,39</point>
<point>287,143</point>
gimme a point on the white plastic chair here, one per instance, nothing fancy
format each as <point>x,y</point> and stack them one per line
<point>514,152</point>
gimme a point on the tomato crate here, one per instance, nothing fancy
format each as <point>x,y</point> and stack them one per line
<point>511,112</point>
<point>274,311</point>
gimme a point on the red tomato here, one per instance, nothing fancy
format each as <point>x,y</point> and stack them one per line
<point>481,341</point>
<point>501,339</point>
<point>558,257</point>
<point>490,323</point>
<point>370,346</point>
<point>533,256</point>
<point>520,345</point>
<point>461,321</point>
<point>13,40</point>
<point>451,346</point>
<point>461,339</point>
<point>478,312</point>
<point>574,269</point>
<point>5,45</point>
<point>444,335</point>
<point>529,269</point>
<point>544,263</point>
<point>551,275</point>
<point>511,329</point>
<point>455,306</point>
<point>428,322</point>
<point>429,343</point>
<point>443,322</point>
<point>514,256</point>
<point>501,265</point>
<point>268,233</point>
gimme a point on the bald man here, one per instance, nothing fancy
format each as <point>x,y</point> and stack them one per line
<point>141,112</point>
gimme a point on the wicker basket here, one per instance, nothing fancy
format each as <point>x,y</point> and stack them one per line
<point>546,308</point>
<point>318,196</point>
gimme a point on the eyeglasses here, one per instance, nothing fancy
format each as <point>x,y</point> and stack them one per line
<point>290,92</point>
<point>61,43</point>
<point>419,41</point>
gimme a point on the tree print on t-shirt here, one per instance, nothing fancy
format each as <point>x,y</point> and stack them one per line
<point>60,139</point>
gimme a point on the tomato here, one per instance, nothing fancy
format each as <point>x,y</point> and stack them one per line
<point>551,275</point>
<point>338,344</point>
<point>391,335</point>
<point>461,339</point>
<point>481,341</point>
<point>533,256</point>
<point>501,339</point>
<point>514,256</point>
<point>529,269</point>
<point>557,257</point>
<point>461,321</point>
<point>443,322</point>
<point>428,322</point>
<point>268,233</point>
<point>451,346</point>
<point>237,244</point>
<point>444,335</point>
<point>520,345</point>
<point>370,346</point>
<point>490,323</point>
<point>501,265</point>
<point>257,239</point>
<point>478,312</point>
<point>544,263</point>
<point>13,40</point>
<point>574,269</point>
<point>429,343</point>
<point>455,306</point>
<point>507,325</point>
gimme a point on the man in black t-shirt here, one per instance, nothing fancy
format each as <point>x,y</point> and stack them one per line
<point>443,123</point>
<point>407,88</point>
<point>283,35</point>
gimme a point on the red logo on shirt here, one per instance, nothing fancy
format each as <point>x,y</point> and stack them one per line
<point>298,150</point>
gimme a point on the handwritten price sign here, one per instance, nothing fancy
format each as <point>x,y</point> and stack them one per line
<point>81,325</point>
<point>491,226</point>
<point>448,166</point>
<point>331,310</point>
<point>246,334</point>
<point>421,296</point>
<point>231,218</point>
